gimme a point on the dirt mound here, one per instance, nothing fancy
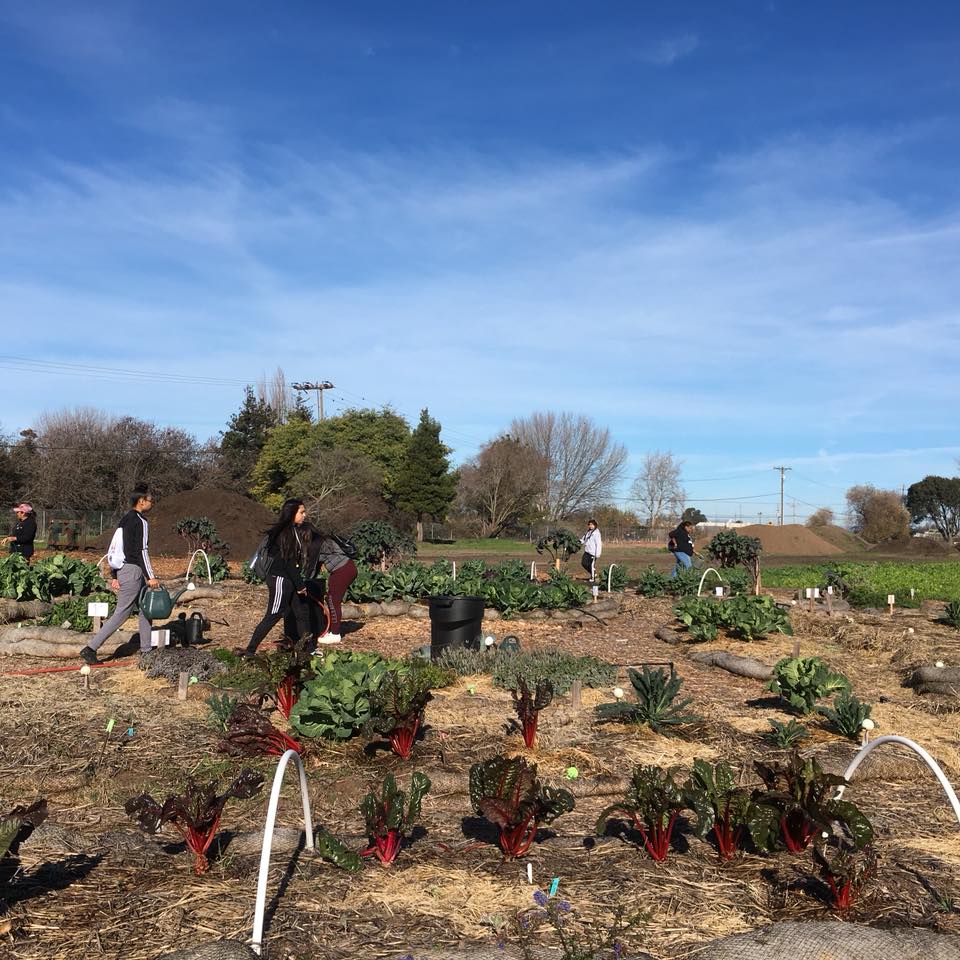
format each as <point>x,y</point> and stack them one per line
<point>846,540</point>
<point>915,547</point>
<point>240,521</point>
<point>791,540</point>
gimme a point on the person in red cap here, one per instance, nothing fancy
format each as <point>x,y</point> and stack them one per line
<point>24,531</point>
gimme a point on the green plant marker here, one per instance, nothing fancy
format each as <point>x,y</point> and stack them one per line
<point>554,886</point>
<point>472,689</point>
<point>572,773</point>
<point>110,724</point>
<point>194,680</point>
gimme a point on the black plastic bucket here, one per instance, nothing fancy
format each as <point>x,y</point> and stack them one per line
<point>455,622</point>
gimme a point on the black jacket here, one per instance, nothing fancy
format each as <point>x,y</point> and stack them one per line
<point>683,541</point>
<point>25,531</point>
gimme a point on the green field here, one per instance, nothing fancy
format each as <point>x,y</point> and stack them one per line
<point>929,580</point>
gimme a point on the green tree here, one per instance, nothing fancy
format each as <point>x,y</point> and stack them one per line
<point>937,500</point>
<point>285,454</point>
<point>426,486</point>
<point>243,440</point>
<point>381,435</point>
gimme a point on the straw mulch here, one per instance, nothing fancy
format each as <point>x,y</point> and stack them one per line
<point>90,891</point>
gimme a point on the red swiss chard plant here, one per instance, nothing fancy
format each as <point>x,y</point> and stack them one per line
<point>799,797</point>
<point>397,709</point>
<point>248,733</point>
<point>287,671</point>
<point>506,791</point>
<point>390,816</point>
<point>194,814</point>
<point>846,871</point>
<point>653,802</point>
<point>722,807</point>
<point>528,704</point>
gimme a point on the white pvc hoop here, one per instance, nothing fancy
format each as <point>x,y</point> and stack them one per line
<point>533,569</point>
<point>927,759</point>
<point>256,942</point>
<point>610,578</point>
<point>206,560</point>
<point>453,564</point>
<point>704,577</point>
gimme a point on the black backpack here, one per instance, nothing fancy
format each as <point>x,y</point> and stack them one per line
<point>260,561</point>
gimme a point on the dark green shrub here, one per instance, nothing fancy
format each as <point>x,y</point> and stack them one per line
<point>560,545</point>
<point>847,714</point>
<point>652,583</point>
<point>379,543</point>
<point>618,582</point>
<point>951,614</point>
<point>218,569</point>
<point>785,735</point>
<point>74,612</point>
<point>656,704</point>
<point>803,681</point>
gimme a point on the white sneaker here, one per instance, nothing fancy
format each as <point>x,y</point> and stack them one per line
<point>329,638</point>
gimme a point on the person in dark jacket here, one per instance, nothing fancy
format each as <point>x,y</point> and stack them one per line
<point>681,546</point>
<point>289,543</point>
<point>130,570</point>
<point>341,572</point>
<point>24,531</point>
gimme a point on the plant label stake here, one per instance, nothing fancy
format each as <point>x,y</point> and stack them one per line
<point>796,649</point>
<point>911,593</point>
<point>529,873</point>
<point>891,599</point>
<point>718,591</point>
<point>830,601</point>
<point>98,611</point>
<point>554,886</point>
<point>816,593</point>
<point>183,685</point>
<point>576,689</point>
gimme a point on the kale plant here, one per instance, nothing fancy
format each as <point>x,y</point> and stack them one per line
<point>655,705</point>
<point>803,681</point>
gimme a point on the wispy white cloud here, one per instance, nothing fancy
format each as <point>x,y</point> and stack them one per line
<point>730,318</point>
<point>668,51</point>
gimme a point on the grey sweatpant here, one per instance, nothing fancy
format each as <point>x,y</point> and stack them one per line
<point>131,583</point>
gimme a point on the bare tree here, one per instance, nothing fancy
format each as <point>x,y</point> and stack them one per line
<point>878,515</point>
<point>582,464</point>
<point>501,484</point>
<point>87,460</point>
<point>820,518</point>
<point>277,394</point>
<point>340,487</point>
<point>658,489</point>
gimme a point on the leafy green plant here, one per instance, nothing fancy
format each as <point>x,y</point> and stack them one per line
<point>803,681</point>
<point>247,574</point>
<point>397,707</point>
<point>560,545</point>
<point>379,543</point>
<point>656,703</point>
<point>799,796</point>
<point>846,870</point>
<point>200,534</point>
<point>506,791</point>
<point>847,714</point>
<point>47,577</point>
<point>221,709</point>
<point>334,851</point>
<point>785,735</point>
<point>700,616</point>
<point>731,549</point>
<point>74,612</point>
<point>618,582</point>
<point>195,814</point>
<point>653,802</point>
<point>390,817</point>
<point>720,805</point>
<point>951,614</point>
<point>528,704</point>
<point>336,703</point>
<point>747,617</point>
<point>652,583</point>
<point>219,570</point>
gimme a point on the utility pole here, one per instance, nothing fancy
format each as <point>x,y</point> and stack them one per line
<point>782,470</point>
<point>319,386</point>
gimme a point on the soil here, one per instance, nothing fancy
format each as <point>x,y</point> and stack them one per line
<point>792,539</point>
<point>450,885</point>
<point>917,548</point>
<point>240,521</point>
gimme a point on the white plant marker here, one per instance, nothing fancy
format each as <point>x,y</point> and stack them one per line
<point>529,872</point>
<point>718,591</point>
<point>891,600</point>
<point>98,611</point>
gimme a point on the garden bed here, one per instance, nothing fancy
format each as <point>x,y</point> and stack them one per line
<point>90,886</point>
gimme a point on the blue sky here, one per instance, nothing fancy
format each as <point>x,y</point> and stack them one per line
<point>729,230</point>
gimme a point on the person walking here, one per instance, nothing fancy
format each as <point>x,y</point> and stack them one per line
<point>24,531</point>
<point>341,572</point>
<point>130,570</point>
<point>680,545</point>
<point>289,543</point>
<point>592,548</point>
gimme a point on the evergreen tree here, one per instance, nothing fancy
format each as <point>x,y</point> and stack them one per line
<point>425,485</point>
<point>243,440</point>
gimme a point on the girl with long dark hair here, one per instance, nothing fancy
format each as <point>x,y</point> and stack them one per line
<point>289,542</point>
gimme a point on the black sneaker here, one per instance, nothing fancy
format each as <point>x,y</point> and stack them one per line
<point>87,655</point>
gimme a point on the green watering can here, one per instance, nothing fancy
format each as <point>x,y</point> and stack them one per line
<point>157,604</point>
